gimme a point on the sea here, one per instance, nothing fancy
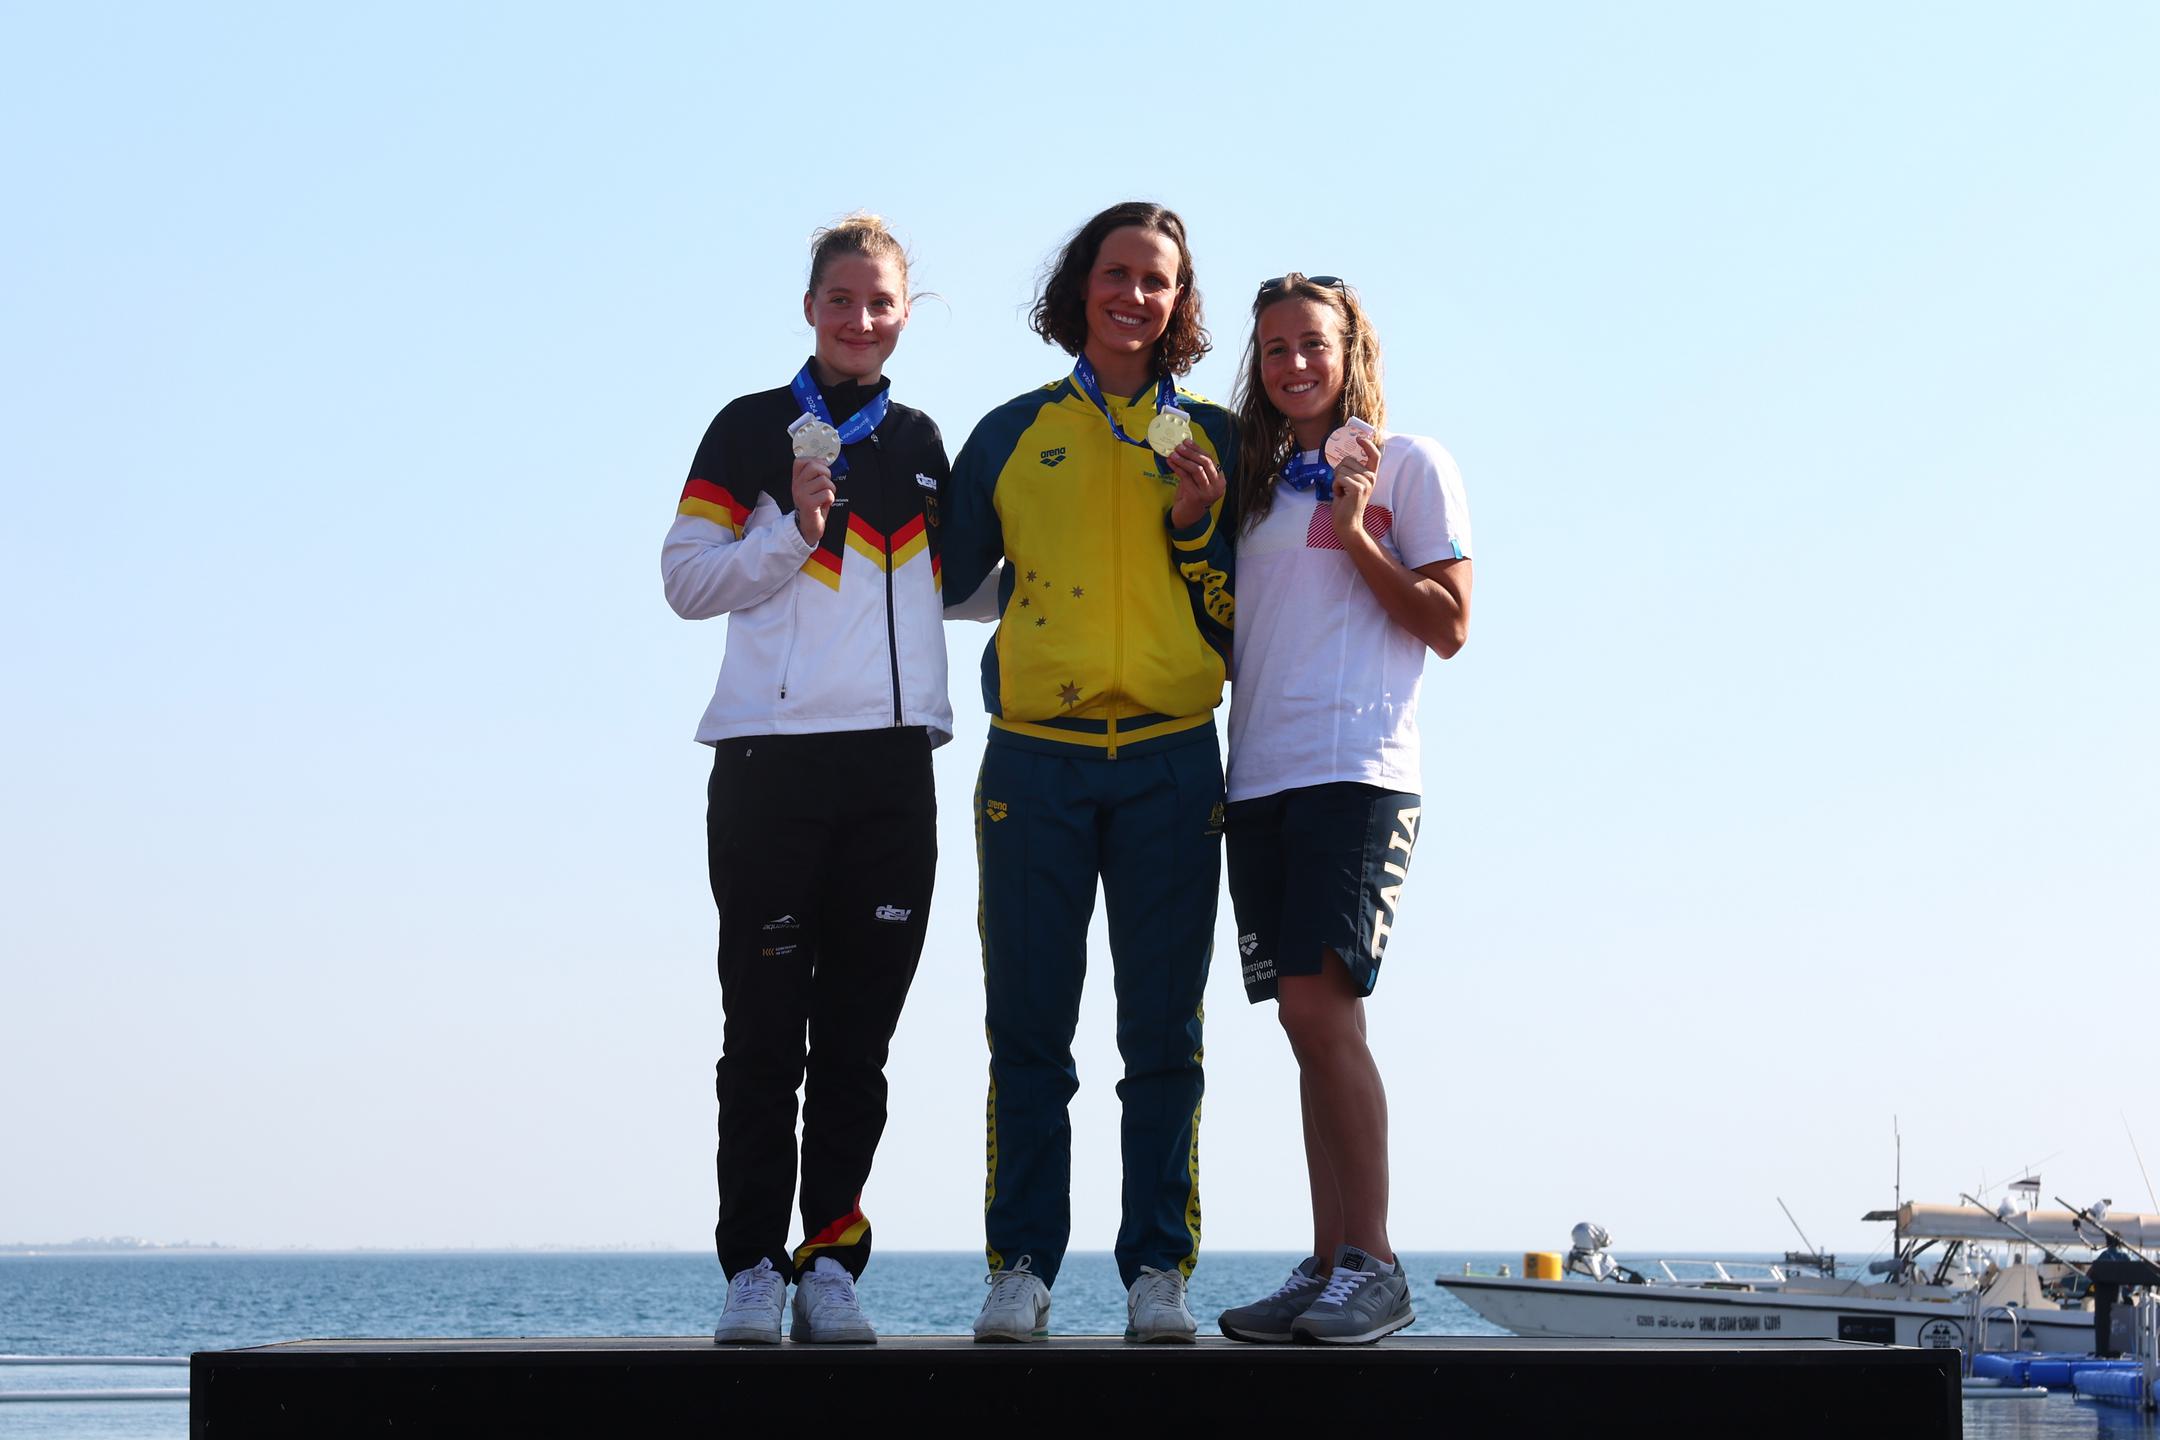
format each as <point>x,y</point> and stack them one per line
<point>174,1303</point>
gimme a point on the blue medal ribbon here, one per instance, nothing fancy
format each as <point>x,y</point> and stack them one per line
<point>1165,399</point>
<point>1310,471</point>
<point>858,426</point>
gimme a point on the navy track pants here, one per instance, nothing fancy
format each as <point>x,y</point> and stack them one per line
<point>1048,827</point>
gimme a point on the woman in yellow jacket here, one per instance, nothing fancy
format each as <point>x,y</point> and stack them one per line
<point>1102,493</point>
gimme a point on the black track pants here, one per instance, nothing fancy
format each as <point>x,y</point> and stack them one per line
<point>822,850</point>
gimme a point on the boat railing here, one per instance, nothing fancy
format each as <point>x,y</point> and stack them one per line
<point>89,1394</point>
<point>1720,1272</point>
<point>166,1360</point>
<point>1999,1312</point>
<point>2147,1310</point>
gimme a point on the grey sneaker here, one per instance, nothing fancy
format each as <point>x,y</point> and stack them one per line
<point>1268,1321</point>
<point>1360,1303</point>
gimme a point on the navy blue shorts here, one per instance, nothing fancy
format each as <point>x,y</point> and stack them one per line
<point>1315,869</point>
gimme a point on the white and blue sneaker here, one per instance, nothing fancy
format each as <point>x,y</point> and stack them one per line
<point>1267,1320</point>
<point>1155,1312</point>
<point>1364,1299</point>
<point>755,1298</point>
<point>1017,1309</point>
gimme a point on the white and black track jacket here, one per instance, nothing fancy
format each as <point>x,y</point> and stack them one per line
<point>844,635</point>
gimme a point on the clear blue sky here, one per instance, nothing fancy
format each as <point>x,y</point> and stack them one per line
<point>1799,772</point>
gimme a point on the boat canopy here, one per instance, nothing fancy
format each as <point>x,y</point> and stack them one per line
<point>1916,1221</point>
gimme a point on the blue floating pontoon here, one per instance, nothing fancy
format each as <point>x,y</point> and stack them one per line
<point>2116,1384</point>
<point>2055,1370</point>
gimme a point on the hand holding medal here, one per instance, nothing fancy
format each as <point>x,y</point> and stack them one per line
<point>1342,448</point>
<point>812,439</point>
<point>1353,448</point>
<point>815,446</point>
<point>1354,452</point>
<point>1200,483</point>
<point>1353,455</point>
<point>1170,428</point>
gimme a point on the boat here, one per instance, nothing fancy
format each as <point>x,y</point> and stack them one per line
<point>2001,1279</point>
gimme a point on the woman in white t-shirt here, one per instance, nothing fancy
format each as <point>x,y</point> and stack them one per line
<point>1347,574</point>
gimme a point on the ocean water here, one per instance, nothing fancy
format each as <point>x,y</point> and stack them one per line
<point>172,1304</point>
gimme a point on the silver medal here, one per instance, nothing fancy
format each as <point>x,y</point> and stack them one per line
<point>812,439</point>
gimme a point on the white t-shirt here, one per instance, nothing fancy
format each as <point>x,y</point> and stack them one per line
<point>1325,685</point>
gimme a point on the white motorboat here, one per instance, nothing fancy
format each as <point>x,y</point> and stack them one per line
<point>2002,1279</point>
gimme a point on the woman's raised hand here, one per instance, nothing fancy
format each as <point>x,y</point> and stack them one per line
<point>1200,484</point>
<point>1353,486</point>
<point>813,492</point>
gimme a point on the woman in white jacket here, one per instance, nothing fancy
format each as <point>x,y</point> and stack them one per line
<point>810,520</point>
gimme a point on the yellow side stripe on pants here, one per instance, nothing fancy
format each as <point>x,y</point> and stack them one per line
<point>982,935</point>
<point>1192,1164</point>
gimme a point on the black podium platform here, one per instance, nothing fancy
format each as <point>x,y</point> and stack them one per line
<point>1460,1385</point>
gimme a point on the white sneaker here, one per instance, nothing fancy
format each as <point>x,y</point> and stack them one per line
<point>1155,1310</point>
<point>826,1311</point>
<point>755,1298</point>
<point>1018,1307</point>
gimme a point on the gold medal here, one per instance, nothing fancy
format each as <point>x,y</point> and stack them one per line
<point>1170,428</point>
<point>812,439</point>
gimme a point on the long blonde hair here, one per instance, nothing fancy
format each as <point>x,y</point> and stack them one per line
<point>1264,437</point>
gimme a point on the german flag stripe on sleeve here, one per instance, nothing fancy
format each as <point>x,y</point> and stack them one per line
<point>708,501</point>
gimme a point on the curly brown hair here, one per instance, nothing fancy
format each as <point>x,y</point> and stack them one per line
<point>1060,313</point>
<point>1264,438</point>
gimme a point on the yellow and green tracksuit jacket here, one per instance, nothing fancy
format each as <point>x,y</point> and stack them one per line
<point>1113,632</point>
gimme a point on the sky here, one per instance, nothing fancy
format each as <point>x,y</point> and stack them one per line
<point>1796,785</point>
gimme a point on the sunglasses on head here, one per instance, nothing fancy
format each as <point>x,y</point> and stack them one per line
<point>1333,282</point>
